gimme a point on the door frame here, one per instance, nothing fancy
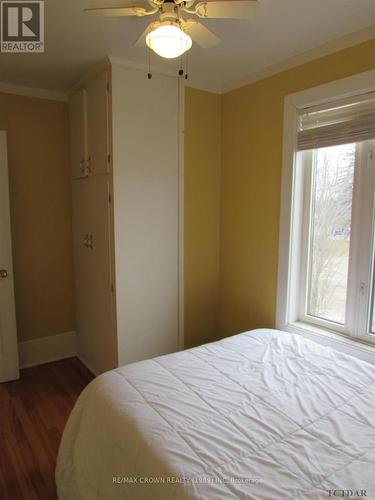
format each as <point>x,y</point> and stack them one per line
<point>9,365</point>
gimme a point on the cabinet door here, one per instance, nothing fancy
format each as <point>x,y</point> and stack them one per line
<point>77,105</point>
<point>82,271</point>
<point>97,125</point>
<point>95,323</point>
<point>146,203</point>
<point>103,335</point>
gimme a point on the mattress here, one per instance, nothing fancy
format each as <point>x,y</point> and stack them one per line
<point>262,415</point>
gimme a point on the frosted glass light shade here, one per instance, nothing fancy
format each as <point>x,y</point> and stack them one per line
<point>168,41</point>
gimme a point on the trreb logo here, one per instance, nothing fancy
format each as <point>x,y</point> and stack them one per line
<point>348,493</point>
<point>22,26</point>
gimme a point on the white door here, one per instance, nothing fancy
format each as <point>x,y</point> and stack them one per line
<point>97,125</point>
<point>96,342</point>
<point>8,332</point>
<point>78,156</point>
<point>146,213</point>
<point>103,338</point>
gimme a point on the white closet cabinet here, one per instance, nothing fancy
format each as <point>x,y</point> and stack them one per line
<point>126,217</point>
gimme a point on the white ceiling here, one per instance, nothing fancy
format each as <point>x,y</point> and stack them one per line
<point>282,29</point>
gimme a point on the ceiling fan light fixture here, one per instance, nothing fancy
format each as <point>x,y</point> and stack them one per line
<point>169,41</point>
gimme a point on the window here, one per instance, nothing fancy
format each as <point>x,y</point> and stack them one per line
<point>331,171</point>
<point>327,233</point>
<point>337,218</point>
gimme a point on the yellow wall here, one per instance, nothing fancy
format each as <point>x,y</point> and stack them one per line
<point>251,173</point>
<point>202,214</point>
<point>233,148</point>
<point>39,178</point>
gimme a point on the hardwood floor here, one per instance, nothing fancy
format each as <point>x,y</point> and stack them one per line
<point>33,413</point>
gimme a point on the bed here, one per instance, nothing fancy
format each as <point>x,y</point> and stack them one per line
<point>261,415</point>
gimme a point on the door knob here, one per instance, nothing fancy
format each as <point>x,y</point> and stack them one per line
<point>3,273</point>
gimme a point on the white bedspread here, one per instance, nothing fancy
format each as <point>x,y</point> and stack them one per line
<point>262,415</point>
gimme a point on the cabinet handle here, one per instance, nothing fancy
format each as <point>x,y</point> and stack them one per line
<point>91,242</point>
<point>88,165</point>
<point>88,241</point>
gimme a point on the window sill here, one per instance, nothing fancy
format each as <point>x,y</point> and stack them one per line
<point>357,348</point>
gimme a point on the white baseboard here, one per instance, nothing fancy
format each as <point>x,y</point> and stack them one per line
<point>88,366</point>
<point>47,349</point>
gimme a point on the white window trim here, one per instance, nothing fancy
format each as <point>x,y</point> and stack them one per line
<point>333,91</point>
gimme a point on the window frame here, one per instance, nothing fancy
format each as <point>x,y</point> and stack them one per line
<point>362,259</point>
<point>288,312</point>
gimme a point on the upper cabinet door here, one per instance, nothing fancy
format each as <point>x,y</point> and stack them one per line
<point>78,156</point>
<point>97,123</point>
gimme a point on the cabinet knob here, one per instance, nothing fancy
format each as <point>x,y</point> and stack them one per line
<point>88,241</point>
<point>3,273</point>
<point>88,166</point>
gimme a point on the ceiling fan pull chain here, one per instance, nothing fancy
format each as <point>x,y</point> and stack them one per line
<point>149,74</point>
<point>181,70</point>
<point>186,65</point>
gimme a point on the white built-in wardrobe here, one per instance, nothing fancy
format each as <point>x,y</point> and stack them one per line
<point>126,189</point>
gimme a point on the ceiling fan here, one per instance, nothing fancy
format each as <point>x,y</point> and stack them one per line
<point>171,35</point>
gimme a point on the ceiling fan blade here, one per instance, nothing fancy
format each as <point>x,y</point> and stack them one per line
<point>200,34</point>
<point>117,11</point>
<point>229,9</point>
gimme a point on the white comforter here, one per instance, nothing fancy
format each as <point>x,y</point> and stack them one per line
<point>262,415</point>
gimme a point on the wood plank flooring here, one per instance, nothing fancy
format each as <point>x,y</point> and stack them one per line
<point>33,413</point>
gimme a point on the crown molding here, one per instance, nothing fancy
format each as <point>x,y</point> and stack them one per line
<point>197,83</point>
<point>323,50</point>
<point>53,95</point>
<point>201,84</point>
<point>94,70</point>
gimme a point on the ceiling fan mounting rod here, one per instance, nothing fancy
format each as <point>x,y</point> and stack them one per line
<point>169,12</point>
